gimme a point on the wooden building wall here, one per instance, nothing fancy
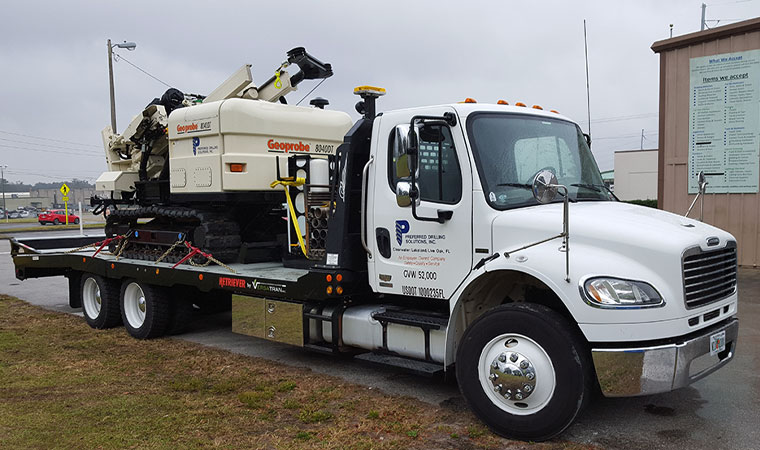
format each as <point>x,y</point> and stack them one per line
<point>737,213</point>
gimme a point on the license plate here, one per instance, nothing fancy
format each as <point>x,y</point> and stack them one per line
<point>717,342</point>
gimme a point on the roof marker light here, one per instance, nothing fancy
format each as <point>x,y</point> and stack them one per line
<point>538,107</point>
<point>520,104</point>
<point>470,100</point>
<point>502,102</point>
<point>555,111</point>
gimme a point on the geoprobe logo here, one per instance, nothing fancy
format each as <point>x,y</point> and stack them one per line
<point>287,146</point>
<point>193,127</point>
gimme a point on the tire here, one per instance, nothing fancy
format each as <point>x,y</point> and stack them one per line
<point>76,221</point>
<point>100,301</point>
<point>56,221</point>
<point>543,352</point>
<point>180,315</point>
<point>145,309</point>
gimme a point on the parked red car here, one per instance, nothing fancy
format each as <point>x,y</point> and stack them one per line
<point>56,216</point>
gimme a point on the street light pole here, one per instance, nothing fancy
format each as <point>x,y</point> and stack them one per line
<point>110,85</point>
<point>129,46</point>
<point>2,179</point>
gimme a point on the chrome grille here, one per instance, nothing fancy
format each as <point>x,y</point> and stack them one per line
<point>708,276</point>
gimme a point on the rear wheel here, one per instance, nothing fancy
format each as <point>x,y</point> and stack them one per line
<point>100,301</point>
<point>56,221</point>
<point>76,221</point>
<point>524,371</point>
<point>145,309</point>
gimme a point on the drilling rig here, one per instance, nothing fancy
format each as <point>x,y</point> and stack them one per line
<point>205,170</point>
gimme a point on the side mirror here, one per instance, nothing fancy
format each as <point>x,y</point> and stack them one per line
<point>403,193</point>
<point>400,151</point>
<point>544,186</point>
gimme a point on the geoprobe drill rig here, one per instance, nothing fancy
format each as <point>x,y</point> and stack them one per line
<point>205,172</point>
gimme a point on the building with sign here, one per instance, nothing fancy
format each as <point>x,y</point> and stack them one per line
<point>710,122</point>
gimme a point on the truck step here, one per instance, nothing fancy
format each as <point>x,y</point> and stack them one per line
<point>412,318</point>
<point>423,368</point>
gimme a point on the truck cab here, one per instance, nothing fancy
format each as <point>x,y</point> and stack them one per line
<point>634,294</point>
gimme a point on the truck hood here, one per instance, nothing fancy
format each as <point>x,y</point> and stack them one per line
<point>615,226</point>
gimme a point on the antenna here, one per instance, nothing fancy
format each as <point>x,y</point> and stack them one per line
<point>588,95</point>
<point>702,25</point>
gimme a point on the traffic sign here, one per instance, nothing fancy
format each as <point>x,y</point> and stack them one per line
<point>65,198</point>
<point>65,189</point>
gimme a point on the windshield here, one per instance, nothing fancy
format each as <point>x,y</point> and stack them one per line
<point>510,149</point>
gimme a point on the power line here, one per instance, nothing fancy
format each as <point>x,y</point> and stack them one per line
<point>49,139</point>
<point>44,145</point>
<point>118,57</point>
<point>51,151</point>
<point>619,118</point>
<point>312,90</point>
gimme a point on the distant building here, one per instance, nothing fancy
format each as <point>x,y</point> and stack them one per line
<point>636,174</point>
<point>608,176</point>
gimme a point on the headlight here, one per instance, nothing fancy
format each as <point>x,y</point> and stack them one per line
<point>614,293</point>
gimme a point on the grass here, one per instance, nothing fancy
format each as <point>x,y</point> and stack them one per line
<point>69,386</point>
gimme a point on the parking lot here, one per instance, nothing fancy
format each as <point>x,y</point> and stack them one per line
<point>720,411</point>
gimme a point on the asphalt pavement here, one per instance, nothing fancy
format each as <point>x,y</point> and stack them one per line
<point>721,411</point>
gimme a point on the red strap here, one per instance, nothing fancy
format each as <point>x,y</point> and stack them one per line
<point>106,242</point>
<point>193,251</point>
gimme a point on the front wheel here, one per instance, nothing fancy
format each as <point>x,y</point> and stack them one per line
<point>524,371</point>
<point>56,221</point>
<point>76,221</point>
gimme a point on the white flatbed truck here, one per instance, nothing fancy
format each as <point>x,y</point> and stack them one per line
<point>473,239</point>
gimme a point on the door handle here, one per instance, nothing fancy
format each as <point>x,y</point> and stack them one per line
<point>363,214</point>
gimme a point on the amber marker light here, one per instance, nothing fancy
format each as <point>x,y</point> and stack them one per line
<point>200,276</point>
<point>329,290</point>
<point>339,290</point>
<point>538,107</point>
<point>338,278</point>
<point>113,265</point>
<point>156,271</point>
<point>236,167</point>
<point>555,111</point>
<point>520,104</point>
<point>502,102</point>
<point>84,260</point>
<point>470,100</point>
<point>328,277</point>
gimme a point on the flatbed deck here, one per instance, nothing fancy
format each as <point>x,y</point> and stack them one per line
<point>37,257</point>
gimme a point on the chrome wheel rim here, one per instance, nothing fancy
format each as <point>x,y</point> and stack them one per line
<point>91,300</point>
<point>516,374</point>
<point>134,305</point>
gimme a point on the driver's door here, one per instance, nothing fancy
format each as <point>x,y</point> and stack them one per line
<point>416,257</point>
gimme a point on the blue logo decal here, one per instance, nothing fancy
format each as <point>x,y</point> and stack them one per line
<point>402,227</point>
<point>196,143</point>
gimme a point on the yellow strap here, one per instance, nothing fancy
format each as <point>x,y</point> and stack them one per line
<point>290,182</point>
<point>277,81</point>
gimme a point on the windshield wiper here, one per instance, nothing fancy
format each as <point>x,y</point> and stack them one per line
<point>596,187</point>
<point>520,185</point>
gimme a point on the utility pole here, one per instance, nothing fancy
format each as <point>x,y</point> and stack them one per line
<point>704,8</point>
<point>2,176</point>
<point>642,139</point>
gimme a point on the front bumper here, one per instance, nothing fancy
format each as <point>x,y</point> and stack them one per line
<point>627,372</point>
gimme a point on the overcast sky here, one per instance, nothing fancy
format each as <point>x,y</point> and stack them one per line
<point>54,72</point>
